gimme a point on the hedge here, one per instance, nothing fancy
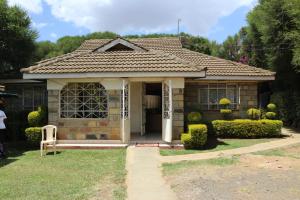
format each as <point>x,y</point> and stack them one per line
<point>246,128</point>
<point>196,136</point>
<point>34,135</point>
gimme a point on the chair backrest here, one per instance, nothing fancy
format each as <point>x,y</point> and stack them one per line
<point>49,132</point>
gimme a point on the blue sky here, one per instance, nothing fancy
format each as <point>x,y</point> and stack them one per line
<point>213,19</point>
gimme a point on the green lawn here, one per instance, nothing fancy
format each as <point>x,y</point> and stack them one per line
<point>171,168</point>
<point>71,174</point>
<point>220,144</point>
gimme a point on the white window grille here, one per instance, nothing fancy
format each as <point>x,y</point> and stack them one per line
<point>209,95</point>
<point>83,100</point>
<point>124,102</point>
<point>166,101</point>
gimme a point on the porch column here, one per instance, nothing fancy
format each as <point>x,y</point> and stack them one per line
<point>125,114</point>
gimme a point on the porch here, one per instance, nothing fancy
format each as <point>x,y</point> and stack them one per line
<point>116,111</point>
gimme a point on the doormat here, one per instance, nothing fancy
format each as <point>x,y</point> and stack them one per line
<point>147,145</point>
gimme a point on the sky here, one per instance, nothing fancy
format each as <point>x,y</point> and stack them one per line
<point>214,19</point>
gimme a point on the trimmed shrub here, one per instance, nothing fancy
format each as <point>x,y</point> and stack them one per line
<point>253,113</point>
<point>34,118</point>
<point>194,117</point>
<point>245,128</point>
<point>186,140</point>
<point>34,135</point>
<point>37,118</point>
<point>224,105</point>
<point>225,102</point>
<point>271,107</point>
<point>270,115</point>
<point>196,137</point>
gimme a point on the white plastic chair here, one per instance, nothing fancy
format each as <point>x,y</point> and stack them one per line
<point>48,138</point>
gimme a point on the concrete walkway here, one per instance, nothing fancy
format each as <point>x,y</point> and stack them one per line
<point>293,139</point>
<point>144,176</point>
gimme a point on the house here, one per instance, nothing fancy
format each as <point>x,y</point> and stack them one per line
<point>120,90</point>
<point>28,95</point>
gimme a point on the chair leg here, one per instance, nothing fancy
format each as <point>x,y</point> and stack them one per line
<point>54,145</point>
<point>41,149</point>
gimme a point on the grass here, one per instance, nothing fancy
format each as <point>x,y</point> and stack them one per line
<point>284,152</point>
<point>171,168</point>
<point>71,174</point>
<point>220,144</point>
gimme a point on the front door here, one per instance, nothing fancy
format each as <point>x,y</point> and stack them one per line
<point>167,111</point>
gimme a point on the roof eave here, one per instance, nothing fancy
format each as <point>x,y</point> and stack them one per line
<point>241,78</point>
<point>199,74</point>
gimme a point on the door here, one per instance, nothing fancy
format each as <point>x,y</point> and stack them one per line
<point>167,111</point>
<point>143,109</point>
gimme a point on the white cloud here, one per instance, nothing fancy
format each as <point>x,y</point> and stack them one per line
<point>38,25</point>
<point>33,6</point>
<point>123,16</point>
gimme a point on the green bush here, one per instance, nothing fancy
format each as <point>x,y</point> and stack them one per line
<point>34,135</point>
<point>186,140</point>
<point>271,107</point>
<point>270,115</point>
<point>196,137</point>
<point>194,117</point>
<point>253,113</point>
<point>37,118</point>
<point>225,102</point>
<point>34,118</point>
<point>246,128</point>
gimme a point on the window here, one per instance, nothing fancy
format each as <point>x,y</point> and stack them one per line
<point>83,100</point>
<point>210,94</point>
<point>29,97</point>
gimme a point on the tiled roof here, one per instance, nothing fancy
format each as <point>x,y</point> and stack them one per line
<point>163,55</point>
<point>219,67</point>
<point>116,61</point>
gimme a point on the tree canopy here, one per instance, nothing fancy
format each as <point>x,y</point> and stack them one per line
<point>16,38</point>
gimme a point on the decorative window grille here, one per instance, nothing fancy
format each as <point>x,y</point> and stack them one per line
<point>166,98</point>
<point>210,95</point>
<point>124,102</point>
<point>83,100</point>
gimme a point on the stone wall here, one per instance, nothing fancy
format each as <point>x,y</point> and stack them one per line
<point>81,129</point>
<point>178,112</point>
<point>248,99</point>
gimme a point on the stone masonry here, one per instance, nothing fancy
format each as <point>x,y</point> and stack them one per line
<point>178,112</point>
<point>81,129</point>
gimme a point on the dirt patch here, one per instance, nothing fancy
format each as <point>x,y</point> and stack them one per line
<point>254,177</point>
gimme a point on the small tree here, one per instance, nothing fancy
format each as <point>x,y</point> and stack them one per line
<point>225,110</point>
<point>253,113</point>
<point>271,114</point>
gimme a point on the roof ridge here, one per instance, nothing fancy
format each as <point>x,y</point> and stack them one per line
<point>182,61</point>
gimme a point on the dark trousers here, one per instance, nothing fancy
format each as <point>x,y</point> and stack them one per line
<point>2,137</point>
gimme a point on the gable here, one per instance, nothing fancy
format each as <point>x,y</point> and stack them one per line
<point>119,44</point>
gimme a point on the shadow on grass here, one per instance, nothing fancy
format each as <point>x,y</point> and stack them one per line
<point>212,143</point>
<point>14,150</point>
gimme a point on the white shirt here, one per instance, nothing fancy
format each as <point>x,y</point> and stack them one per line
<point>2,117</point>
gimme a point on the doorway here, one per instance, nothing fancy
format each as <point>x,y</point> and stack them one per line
<point>153,110</point>
<point>146,111</point>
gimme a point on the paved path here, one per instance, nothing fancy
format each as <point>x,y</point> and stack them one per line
<point>144,176</point>
<point>293,139</point>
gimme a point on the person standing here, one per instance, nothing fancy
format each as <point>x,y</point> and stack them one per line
<point>2,130</point>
